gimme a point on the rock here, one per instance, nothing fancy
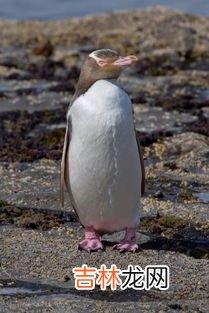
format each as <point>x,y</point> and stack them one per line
<point>190,152</point>
<point>151,119</point>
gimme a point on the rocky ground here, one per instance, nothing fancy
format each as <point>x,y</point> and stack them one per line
<point>39,67</point>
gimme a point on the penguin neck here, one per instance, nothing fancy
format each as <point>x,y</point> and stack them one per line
<point>84,84</point>
<point>113,81</point>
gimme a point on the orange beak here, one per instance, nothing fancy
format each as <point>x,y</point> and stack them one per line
<point>125,61</point>
<point>120,62</point>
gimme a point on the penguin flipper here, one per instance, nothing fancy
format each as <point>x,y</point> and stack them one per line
<point>64,160</point>
<point>142,165</point>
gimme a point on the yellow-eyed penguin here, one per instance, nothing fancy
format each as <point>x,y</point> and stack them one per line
<point>102,165</point>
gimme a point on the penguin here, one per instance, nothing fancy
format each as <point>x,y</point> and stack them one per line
<point>102,165</point>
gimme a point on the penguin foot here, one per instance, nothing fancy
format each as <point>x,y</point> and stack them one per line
<point>126,246</point>
<point>92,241</point>
<point>90,245</point>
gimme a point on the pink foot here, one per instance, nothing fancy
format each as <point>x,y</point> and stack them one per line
<point>128,244</point>
<point>92,241</point>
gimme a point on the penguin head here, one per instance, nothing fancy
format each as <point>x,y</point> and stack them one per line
<point>108,64</point>
<point>101,64</point>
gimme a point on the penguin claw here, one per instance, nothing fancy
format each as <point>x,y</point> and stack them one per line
<point>126,246</point>
<point>90,245</point>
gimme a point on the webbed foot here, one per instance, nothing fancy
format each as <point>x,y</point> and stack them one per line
<point>92,241</point>
<point>128,244</point>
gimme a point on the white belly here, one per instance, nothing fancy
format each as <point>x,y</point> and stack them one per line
<point>104,166</point>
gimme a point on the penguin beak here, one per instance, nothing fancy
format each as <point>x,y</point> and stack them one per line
<point>125,61</point>
<point>120,62</point>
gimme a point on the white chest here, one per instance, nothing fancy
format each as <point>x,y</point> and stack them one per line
<point>103,157</point>
<point>102,106</point>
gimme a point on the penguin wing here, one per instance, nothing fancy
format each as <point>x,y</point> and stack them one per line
<point>65,168</point>
<point>142,165</point>
<point>63,165</point>
<point>64,160</point>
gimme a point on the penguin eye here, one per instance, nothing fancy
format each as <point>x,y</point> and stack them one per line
<point>103,63</point>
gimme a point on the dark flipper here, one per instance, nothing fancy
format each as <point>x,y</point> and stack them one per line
<point>63,163</point>
<point>64,173</point>
<point>142,165</point>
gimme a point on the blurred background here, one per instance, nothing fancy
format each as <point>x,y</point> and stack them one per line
<point>58,9</point>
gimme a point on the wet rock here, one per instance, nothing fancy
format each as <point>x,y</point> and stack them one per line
<point>45,100</point>
<point>152,119</point>
<point>175,306</point>
<point>190,152</point>
<point>204,196</point>
<point>160,224</point>
<point>45,48</point>
<point>30,218</point>
<point>200,126</point>
<point>22,140</point>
